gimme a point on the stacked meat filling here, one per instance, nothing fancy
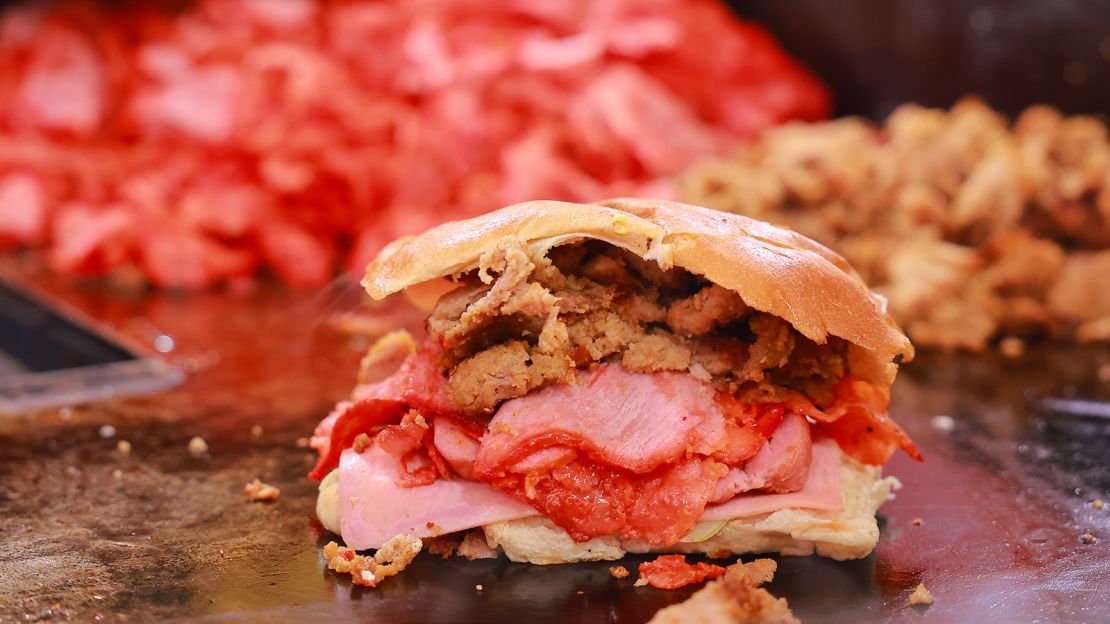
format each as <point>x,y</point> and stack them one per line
<point>520,323</point>
<point>611,396</point>
<point>638,426</point>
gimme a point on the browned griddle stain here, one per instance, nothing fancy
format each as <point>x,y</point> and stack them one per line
<point>160,534</point>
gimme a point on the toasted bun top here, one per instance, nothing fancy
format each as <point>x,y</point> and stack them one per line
<point>772,269</point>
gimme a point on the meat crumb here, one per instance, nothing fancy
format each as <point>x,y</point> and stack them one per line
<point>443,545</point>
<point>916,522</point>
<point>361,443</point>
<point>672,572</point>
<point>1097,503</point>
<point>256,431</point>
<point>943,423</point>
<point>618,572</point>
<point>124,447</point>
<point>197,446</point>
<point>391,559</point>
<point>1011,347</point>
<point>504,427</point>
<point>474,546</point>
<point>921,596</point>
<point>735,597</point>
<point>1089,538</point>
<point>258,491</point>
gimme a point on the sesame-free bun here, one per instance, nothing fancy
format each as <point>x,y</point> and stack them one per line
<point>774,270</point>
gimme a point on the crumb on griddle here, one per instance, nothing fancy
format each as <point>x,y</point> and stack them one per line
<point>256,431</point>
<point>921,596</point>
<point>1097,503</point>
<point>393,557</point>
<point>943,422</point>
<point>1088,538</point>
<point>618,572</point>
<point>124,447</point>
<point>301,442</point>
<point>1011,347</point>
<point>735,597</point>
<point>916,522</point>
<point>478,587</point>
<point>197,446</point>
<point>257,491</point>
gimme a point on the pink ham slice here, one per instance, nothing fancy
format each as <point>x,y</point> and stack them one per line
<point>632,421</point>
<point>782,465</point>
<point>821,490</point>
<point>416,385</point>
<point>455,445</point>
<point>374,508</point>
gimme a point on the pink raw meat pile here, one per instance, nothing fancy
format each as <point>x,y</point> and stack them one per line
<point>205,142</point>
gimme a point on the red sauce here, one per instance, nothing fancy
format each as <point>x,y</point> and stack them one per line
<point>589,499</point>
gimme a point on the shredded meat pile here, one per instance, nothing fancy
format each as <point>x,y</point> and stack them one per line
<point>974,230</point>
<point>522,322</point>
<point>193,143</point>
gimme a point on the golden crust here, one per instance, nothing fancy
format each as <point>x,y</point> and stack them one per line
<point>772,269</point>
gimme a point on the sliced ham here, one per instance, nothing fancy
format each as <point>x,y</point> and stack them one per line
<point>821,490</point>
<point>456,445</point>
<point>373,508</point>
<point>632,421</point>
<point>782,465</point>
<point>416,385</point>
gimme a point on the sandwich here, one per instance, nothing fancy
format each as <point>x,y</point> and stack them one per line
<point>627,376</point>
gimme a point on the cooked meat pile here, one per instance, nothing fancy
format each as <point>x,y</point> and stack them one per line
<point>975,230</point>
<point>521,322</point>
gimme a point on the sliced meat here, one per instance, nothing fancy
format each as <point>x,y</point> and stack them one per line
<point>456,444</point>
<point>859,423</point>
<point>416,385</point>
<point>821,490</point>
<point>373,508</point>
<point>588,499</point>
<point>632,421</point>
<point>782,465</point>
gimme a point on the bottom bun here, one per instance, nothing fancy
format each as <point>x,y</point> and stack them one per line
<point>850,533</point>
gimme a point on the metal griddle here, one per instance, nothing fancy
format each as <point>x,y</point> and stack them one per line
<point>52,355</point>
<point>159,534</point>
